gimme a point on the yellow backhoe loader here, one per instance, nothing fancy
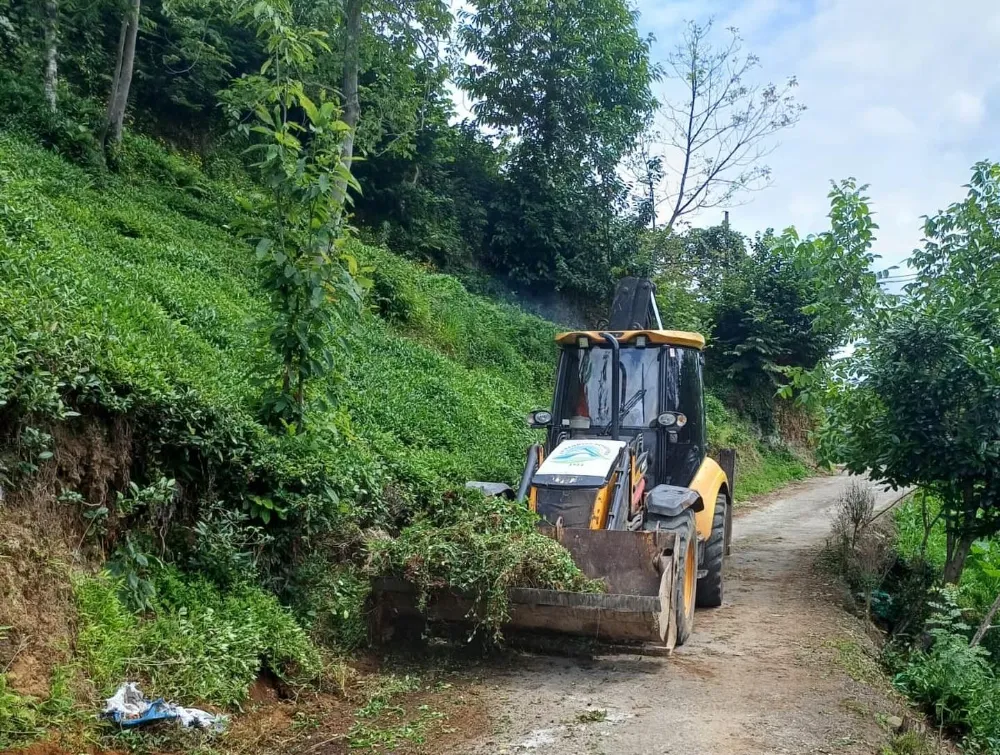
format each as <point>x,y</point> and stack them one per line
<point>624,482</point>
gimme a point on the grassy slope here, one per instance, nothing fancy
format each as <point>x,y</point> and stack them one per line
<point>167,297</point>
<point>134,281</point>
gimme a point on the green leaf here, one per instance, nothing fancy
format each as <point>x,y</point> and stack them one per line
<point>310,107</point>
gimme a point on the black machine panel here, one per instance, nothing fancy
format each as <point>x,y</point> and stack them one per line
<point>632,308</point>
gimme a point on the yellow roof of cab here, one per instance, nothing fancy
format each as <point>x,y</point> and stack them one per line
<point>671,337</point>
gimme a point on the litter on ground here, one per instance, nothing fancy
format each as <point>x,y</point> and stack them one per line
<point>129,707</point>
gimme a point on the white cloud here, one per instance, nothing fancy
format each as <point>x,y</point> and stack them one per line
<point>968,109</point>
<point>883,120</point>
<point>901,94</point>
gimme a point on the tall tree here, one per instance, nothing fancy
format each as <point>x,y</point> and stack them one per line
<point>919,401</point>
<point>349,86</point>
<point>51,50</point>
<point>121,79</point>
<point>720,131</point>
<point>297,227</point>
<point>570,79</point>
<point>382,44</point>
<point>571,75</point>
<point>646,170</point>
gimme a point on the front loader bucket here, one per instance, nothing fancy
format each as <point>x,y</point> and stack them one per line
<point>638,568</point>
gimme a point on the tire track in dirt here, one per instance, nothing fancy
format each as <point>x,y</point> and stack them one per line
<point>765,673</point>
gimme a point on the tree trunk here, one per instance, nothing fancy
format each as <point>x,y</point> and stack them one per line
<point>652,201</point>
<point>122,78</point>
<point>51,62</point>
<point>987,622</point>
<point>115,78</point>
<point>349,87</point>
<point>958,551</point>
<point>689,146</point>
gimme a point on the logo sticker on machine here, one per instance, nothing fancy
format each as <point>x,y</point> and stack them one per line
<point>584,458</point>
<point>581,453</point>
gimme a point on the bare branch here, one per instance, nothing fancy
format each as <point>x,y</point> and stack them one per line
<point>723,127</point>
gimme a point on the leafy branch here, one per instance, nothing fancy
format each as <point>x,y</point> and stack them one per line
<point>299,228</point>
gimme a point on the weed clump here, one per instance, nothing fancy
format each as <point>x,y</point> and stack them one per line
<point>481,547</point>
<point>24,718</point>
<point>195,644</point>
<point>954,681</point>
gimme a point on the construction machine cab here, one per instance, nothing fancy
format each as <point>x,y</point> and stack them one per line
<point>632,382</point>
<point>659,396</point>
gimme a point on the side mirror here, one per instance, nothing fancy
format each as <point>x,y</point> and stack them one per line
<point>539,419</point>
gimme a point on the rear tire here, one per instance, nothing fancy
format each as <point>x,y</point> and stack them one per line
<point>710,585</point>
<point>685,588</point>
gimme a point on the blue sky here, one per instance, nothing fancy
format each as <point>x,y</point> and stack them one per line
<point>904,96</point>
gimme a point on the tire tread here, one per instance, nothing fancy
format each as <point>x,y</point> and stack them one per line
<point>710,588</point>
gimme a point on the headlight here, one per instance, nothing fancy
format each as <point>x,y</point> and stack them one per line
<point>670,419</point>
<point>541,418</point>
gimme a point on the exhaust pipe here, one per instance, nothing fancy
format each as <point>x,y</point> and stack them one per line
<point>529,472</point>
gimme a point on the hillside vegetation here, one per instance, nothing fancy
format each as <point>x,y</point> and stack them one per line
<point>241,375</point>
<point>128,354</point>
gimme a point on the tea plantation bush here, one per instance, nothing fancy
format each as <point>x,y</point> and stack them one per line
<point>129,313</point>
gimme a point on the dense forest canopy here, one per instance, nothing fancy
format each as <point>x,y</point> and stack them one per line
<point>548,187</point>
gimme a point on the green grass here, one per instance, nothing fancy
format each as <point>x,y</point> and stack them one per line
<point>24,719</point>
<point>197,643</point>
<point>858,664</point>
<point>909,743</point>
<point>760,468</point>
<point>910,517</point>
<point>771,469</point>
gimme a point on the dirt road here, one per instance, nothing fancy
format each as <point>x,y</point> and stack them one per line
<point>778,669</point>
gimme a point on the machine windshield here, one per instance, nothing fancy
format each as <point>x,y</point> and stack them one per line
<point>587,397</point>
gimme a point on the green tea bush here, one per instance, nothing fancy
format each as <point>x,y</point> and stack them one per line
<point>481,547</point>
<point>70,131</point>
<point>116,301</point>
<point>197,644</point>
<point>474,332</point>
<point>397,298</point>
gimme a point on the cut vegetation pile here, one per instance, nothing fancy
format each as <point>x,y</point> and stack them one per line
<point>130,439</point>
